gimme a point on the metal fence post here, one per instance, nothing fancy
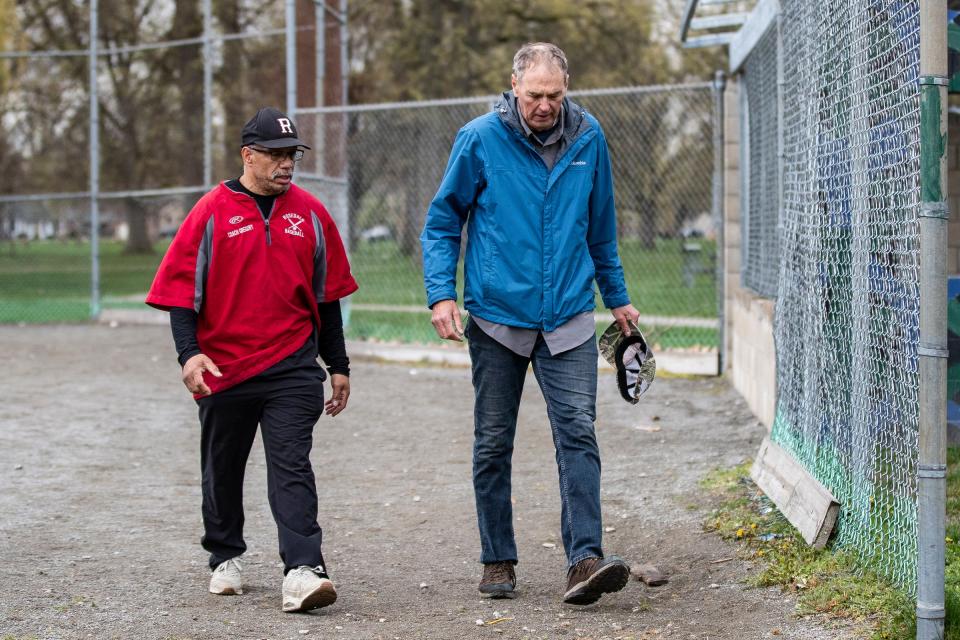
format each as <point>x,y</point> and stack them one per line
<point>94,168</point>
<point>344,62</point>
<point>345,100</point>
<point>719,86</point>
<point>207,94</point>
<point>291,40</point>
<point>932,348</point>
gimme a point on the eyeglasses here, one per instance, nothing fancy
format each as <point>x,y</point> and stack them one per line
<point>280,154</point>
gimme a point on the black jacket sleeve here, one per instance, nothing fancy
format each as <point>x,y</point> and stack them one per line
<point>183,323</point>
<point>330,342</point>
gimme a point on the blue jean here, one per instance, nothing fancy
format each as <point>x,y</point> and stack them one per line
<point>569,384</point>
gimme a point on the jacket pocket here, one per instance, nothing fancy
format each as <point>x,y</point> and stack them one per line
<point>488,278</point>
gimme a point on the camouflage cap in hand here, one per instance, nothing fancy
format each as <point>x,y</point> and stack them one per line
<point>633,358</point>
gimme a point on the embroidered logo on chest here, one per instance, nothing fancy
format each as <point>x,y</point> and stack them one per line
<point>294,220</point>
<point>236,220</point>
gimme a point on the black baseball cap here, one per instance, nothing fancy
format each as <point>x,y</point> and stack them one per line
<point>271,129</point>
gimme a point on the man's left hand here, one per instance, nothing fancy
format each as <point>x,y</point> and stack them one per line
<point>624,314</point>
<point>340,393</point>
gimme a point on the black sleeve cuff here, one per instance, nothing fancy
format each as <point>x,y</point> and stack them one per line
<point>183,324</point>
<point>186,355</point>
<point>331,346</point>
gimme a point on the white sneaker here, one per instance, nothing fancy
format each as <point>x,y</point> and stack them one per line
<point>306,588</point>
<point>225,580</point>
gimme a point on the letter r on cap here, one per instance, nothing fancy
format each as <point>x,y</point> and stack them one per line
<point>285,125</point>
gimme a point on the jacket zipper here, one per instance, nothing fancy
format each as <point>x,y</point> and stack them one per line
<point>266,221</point>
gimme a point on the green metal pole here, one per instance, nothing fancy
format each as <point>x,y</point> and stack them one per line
<point>932,349</point>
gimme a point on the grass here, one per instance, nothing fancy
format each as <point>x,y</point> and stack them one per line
<point>832,582</point>
<point>49,281</point>
<point>415,327</point>
<point>656,283</point>
<point>952,572</point>
<point>654,278</point>
<point>61,270</point>
<point>392,327</point>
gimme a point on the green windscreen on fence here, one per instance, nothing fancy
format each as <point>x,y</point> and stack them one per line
<point>847,312</point>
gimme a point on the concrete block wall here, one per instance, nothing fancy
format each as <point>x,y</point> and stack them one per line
<point>749,355</point>
<point>754,373</point>
<point>731,210</point>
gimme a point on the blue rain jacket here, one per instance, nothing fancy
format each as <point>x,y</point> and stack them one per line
<point>537,239</point>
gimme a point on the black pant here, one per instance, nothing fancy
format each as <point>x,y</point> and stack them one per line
<point>286,401</point>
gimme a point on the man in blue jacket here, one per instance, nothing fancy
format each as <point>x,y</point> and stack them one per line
<point>532,182</point>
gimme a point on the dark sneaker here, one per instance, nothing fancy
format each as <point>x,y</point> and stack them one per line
<point>591,578</point>
<point>499,580</point>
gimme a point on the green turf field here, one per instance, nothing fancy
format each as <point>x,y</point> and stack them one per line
<point>49,281</point>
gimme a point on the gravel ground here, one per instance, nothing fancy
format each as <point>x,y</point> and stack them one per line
<point>100,504</point>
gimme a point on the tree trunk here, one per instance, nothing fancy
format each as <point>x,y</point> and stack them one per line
<point>138,240</point>
<point>188,75</point>
<point>306,54</point>
<point>233,85</point>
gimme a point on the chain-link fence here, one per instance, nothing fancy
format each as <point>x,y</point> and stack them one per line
<point>170,112</point>
<point>376,168</point>
<point>847,309</point>
<point>154,151</point>
<point>45,257</point>
<point>172,92</point>
<point>761,168</point>
<point>382,164</point>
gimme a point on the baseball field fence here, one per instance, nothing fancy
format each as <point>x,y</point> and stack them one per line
<point>842,150</point>
<point>81,236</point>
<point>382,164</point>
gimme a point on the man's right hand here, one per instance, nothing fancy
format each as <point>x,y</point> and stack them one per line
<point>446,320</point>
<point>193,374</point>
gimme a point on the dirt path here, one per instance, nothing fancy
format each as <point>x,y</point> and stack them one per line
<point>100,517</point>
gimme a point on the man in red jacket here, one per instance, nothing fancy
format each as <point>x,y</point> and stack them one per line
<point>253,281</point>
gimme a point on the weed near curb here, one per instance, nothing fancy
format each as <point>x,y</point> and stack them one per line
<point>830,582</point>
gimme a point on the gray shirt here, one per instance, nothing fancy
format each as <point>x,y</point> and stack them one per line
<point>577,329</point>
<point>573,333</point>
<point>550,148</point>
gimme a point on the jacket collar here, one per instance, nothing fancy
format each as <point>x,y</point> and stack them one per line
<point>574,123</point>
<point>241,195</point>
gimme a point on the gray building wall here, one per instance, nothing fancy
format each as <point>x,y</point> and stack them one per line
<point>750,362</point>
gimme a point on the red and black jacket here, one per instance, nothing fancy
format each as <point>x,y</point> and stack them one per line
<point>255,282</point>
